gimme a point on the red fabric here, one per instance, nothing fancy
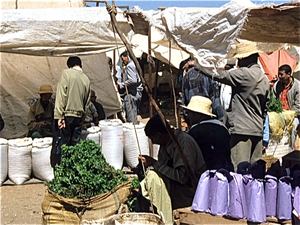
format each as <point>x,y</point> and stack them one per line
<point>284,100</point>
<point>270,63</point>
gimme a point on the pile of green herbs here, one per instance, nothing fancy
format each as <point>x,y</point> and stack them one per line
<point>84,172</point>
<point>274,104</point>
<point>135,184</point>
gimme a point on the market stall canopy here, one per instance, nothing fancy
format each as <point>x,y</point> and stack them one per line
<point>209,35</point>
<point>22,76</point>
<point>60,31</point>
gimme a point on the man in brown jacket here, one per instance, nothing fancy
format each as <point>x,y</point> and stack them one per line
<point>40,114</point>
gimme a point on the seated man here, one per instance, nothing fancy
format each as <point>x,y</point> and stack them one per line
<point>169,185</point>
<point>211,135</point>
<point>287,89</point>
<point>91,118</point>
<point>41,114</point>
<point>99,107</point>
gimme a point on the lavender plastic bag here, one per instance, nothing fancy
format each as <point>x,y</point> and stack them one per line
<point>213,181</point>
<point>237,207</point>
<point>201,198</point>
<point>257,205</point>
<point>219,205</point>
<point>296,199</point>
<point>247,180</point>
<point>271,195</point>
<point>284,199</point>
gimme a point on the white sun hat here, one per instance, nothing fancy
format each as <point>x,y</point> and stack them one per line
<point>200,104</point>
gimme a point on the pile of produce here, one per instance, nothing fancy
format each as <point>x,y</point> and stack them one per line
<point>84,172</point>
<point>274,104</point>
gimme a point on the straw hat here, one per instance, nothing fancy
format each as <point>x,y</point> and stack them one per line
<point>45,89</point>
<point>245,49</point>
<point>200,104</point>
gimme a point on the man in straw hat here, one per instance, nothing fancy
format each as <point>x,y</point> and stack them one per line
<point>169,171</point>
<point>211,135</point>
<point>40,114</point>
<point>249,103</point>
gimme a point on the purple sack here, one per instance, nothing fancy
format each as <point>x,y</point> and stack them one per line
<point>237,207</point>
<point>219,204</point>
<point>284,199</point>
<point>257,204</point>
<point>201,201</point>
<point>247,180</point>
<point>296,199</point>
<point>271,195</point>
<point>213,181</point>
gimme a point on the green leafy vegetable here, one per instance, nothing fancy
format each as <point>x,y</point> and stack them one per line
<point>274,104</point>
<point>135,184</point>
<point>84,172</point>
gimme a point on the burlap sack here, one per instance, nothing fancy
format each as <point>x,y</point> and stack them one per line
<point>59,210</point>
<point>278,122</point>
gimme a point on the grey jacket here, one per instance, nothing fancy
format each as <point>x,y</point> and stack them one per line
<point>250,97</point>
<point>293,95</point>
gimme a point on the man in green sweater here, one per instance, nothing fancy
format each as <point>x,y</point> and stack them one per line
<point>71,104</point>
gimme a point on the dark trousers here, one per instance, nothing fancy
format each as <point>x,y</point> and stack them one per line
<point>73,130</point>
<point>69,136</point>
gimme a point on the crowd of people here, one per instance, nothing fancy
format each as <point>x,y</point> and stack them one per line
<point>226,114</point>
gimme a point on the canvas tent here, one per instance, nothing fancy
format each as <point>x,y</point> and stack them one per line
<point>208,35</point>
<point>29,40</point>
<point>84,31</point>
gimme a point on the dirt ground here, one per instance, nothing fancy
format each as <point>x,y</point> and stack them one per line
<point>21,204</point>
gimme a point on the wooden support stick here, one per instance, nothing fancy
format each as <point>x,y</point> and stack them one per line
<point>166,124</point>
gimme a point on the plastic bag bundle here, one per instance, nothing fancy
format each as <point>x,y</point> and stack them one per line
<point>271,195</point>
<point>112,141</point>
<point>131,148</point>
<point>94,134</point>
<point>41,151</point>
<point>201,198</point>
<point>237,207</point>
<point>219,204</point>
<point>247,180</point>
<point>284,199</point>
<point>3,159</point>
<point>278,122</point>
<point>19,159</point>
<point>257,205</point>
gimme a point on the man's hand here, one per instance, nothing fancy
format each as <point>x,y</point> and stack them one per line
<point>147,160</point>
<point>61,123</point>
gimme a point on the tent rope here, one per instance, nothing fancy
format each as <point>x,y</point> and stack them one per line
<point>127,93</point>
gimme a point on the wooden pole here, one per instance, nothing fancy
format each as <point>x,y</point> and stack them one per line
<point>112,12</point>
<point>150,68</point>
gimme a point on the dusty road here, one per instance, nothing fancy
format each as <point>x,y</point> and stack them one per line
<point>21,204</point>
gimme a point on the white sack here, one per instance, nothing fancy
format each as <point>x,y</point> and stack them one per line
<point>3,159</point>
<point>112,141</point>
<point>131,148</point>
<point>19,159</point>
<point>41,151</point>
<point>94,134</point>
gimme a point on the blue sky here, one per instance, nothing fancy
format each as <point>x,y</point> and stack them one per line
<point>154,4</point>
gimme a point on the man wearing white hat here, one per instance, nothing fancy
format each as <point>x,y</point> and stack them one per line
<point>211,135</point>
<point>41,114</point>
<point>249,105</point>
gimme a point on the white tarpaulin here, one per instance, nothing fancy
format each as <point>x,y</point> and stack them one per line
<point>207,35</point>
<point>60,31</point>
<point>22,76</point>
